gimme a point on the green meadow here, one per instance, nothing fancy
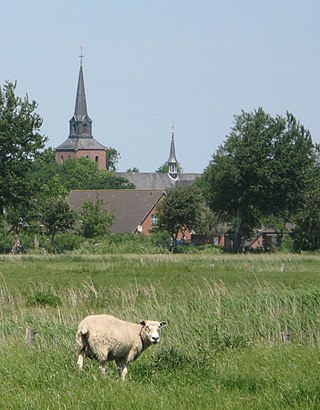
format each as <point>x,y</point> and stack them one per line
<point>243,331</point>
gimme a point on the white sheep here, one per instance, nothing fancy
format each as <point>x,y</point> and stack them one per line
<point>105,338</point>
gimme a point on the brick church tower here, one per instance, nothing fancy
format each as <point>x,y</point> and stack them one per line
<point>80,142</point>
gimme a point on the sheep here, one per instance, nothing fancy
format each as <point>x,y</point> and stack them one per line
<point>106,338</point>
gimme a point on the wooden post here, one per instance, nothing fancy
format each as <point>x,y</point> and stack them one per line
<point>285,336</point>
<point>30,335</point>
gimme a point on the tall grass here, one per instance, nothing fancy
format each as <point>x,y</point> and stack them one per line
<point>223,347</point>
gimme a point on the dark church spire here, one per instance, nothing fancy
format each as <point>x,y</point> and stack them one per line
<point>80,142</point>
<point>172,161</point>
<point>81,123</point>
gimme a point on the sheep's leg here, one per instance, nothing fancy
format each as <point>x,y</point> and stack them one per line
<point>122,369</point>
<point>103,367</point>
<point>80,360</point>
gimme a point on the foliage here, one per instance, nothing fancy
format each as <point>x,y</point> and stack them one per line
<point>262,168</point>
<point>179,211</point>
<point>53,179</point>
<point>134,169</point>
<point>208,224</point>
<point>306,232</point>
<point>83,173</point>
<point>120,244</point>
<point>112,159</point>
<point>19,142</point>
<point>45,175</point>
<point>43,299</point>
<point>56,216</point>
<point>63,243</point>
<point>95,219</point>
<point>164,169</point>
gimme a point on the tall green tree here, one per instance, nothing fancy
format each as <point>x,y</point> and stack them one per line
<point>260,170</point>
<point>179,211</point>
<point>95,219</point>
<point>20,140</point>
<point>57,216</point>
<point>112,159</point>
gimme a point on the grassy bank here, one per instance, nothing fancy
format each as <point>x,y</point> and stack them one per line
<point>223,348</point>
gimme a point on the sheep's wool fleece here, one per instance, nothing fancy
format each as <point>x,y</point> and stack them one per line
<point>108,334</point>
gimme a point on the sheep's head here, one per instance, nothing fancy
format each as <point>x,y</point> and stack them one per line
<point>151,331</point>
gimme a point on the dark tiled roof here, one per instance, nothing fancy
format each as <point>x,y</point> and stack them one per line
<point>157,180</point>
<point>75,143</point>
<point>130,206</point>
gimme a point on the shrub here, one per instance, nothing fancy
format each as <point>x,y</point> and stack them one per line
<point>64,242</point>
<point>43,299</point>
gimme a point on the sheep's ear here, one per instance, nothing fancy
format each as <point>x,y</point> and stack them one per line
<point>163,324</point>
<point>143,322</point>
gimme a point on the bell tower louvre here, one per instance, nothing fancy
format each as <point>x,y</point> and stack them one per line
<point>80,142</point>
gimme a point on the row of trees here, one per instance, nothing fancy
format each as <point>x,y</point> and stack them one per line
<point>266,172</point>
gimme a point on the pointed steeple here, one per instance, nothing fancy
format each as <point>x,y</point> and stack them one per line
<point>172,161</point>
<point>80,142</point>
<point>81,123</point>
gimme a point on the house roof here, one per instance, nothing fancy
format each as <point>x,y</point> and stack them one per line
<point>130,206</point>
<point>157,180</point>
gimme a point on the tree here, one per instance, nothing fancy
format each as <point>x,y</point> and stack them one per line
<point>134,169</point>
<point>179,211</point>
<point>208,224</point>
<point>45,176</point>
<point>260,170</point>
<point>95,220</point>
<point>164,169</point>
<point>83,173</point>
<point>112,159</point>
<point>305,234</point>
<point>57,216</point>
<point>20,140</point>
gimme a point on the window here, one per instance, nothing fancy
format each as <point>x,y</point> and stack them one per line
<point>61,159</point>
<point>97,159</point>
<point>154,219</point>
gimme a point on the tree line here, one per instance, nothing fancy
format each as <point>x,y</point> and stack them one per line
<point>266,172</point>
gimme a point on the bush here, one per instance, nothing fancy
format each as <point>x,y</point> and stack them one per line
<point>63,243</point>
<point>43,299</point>
<point>119,243</point>
<point>5,244</point>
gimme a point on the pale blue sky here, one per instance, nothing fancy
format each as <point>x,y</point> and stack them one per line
<point>148,62</point>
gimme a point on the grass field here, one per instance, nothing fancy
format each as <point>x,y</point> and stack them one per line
<point>223,348</point>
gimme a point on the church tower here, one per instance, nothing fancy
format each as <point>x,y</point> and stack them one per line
<point>172,161</point>
<point>80,142</point>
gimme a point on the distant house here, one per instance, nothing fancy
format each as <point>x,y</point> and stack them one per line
<point>134,210</point>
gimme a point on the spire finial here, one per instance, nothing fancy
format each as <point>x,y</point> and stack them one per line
<point>81,55</point>
<point>172,127</point>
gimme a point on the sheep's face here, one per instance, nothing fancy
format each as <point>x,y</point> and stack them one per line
<point>151,331</point>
